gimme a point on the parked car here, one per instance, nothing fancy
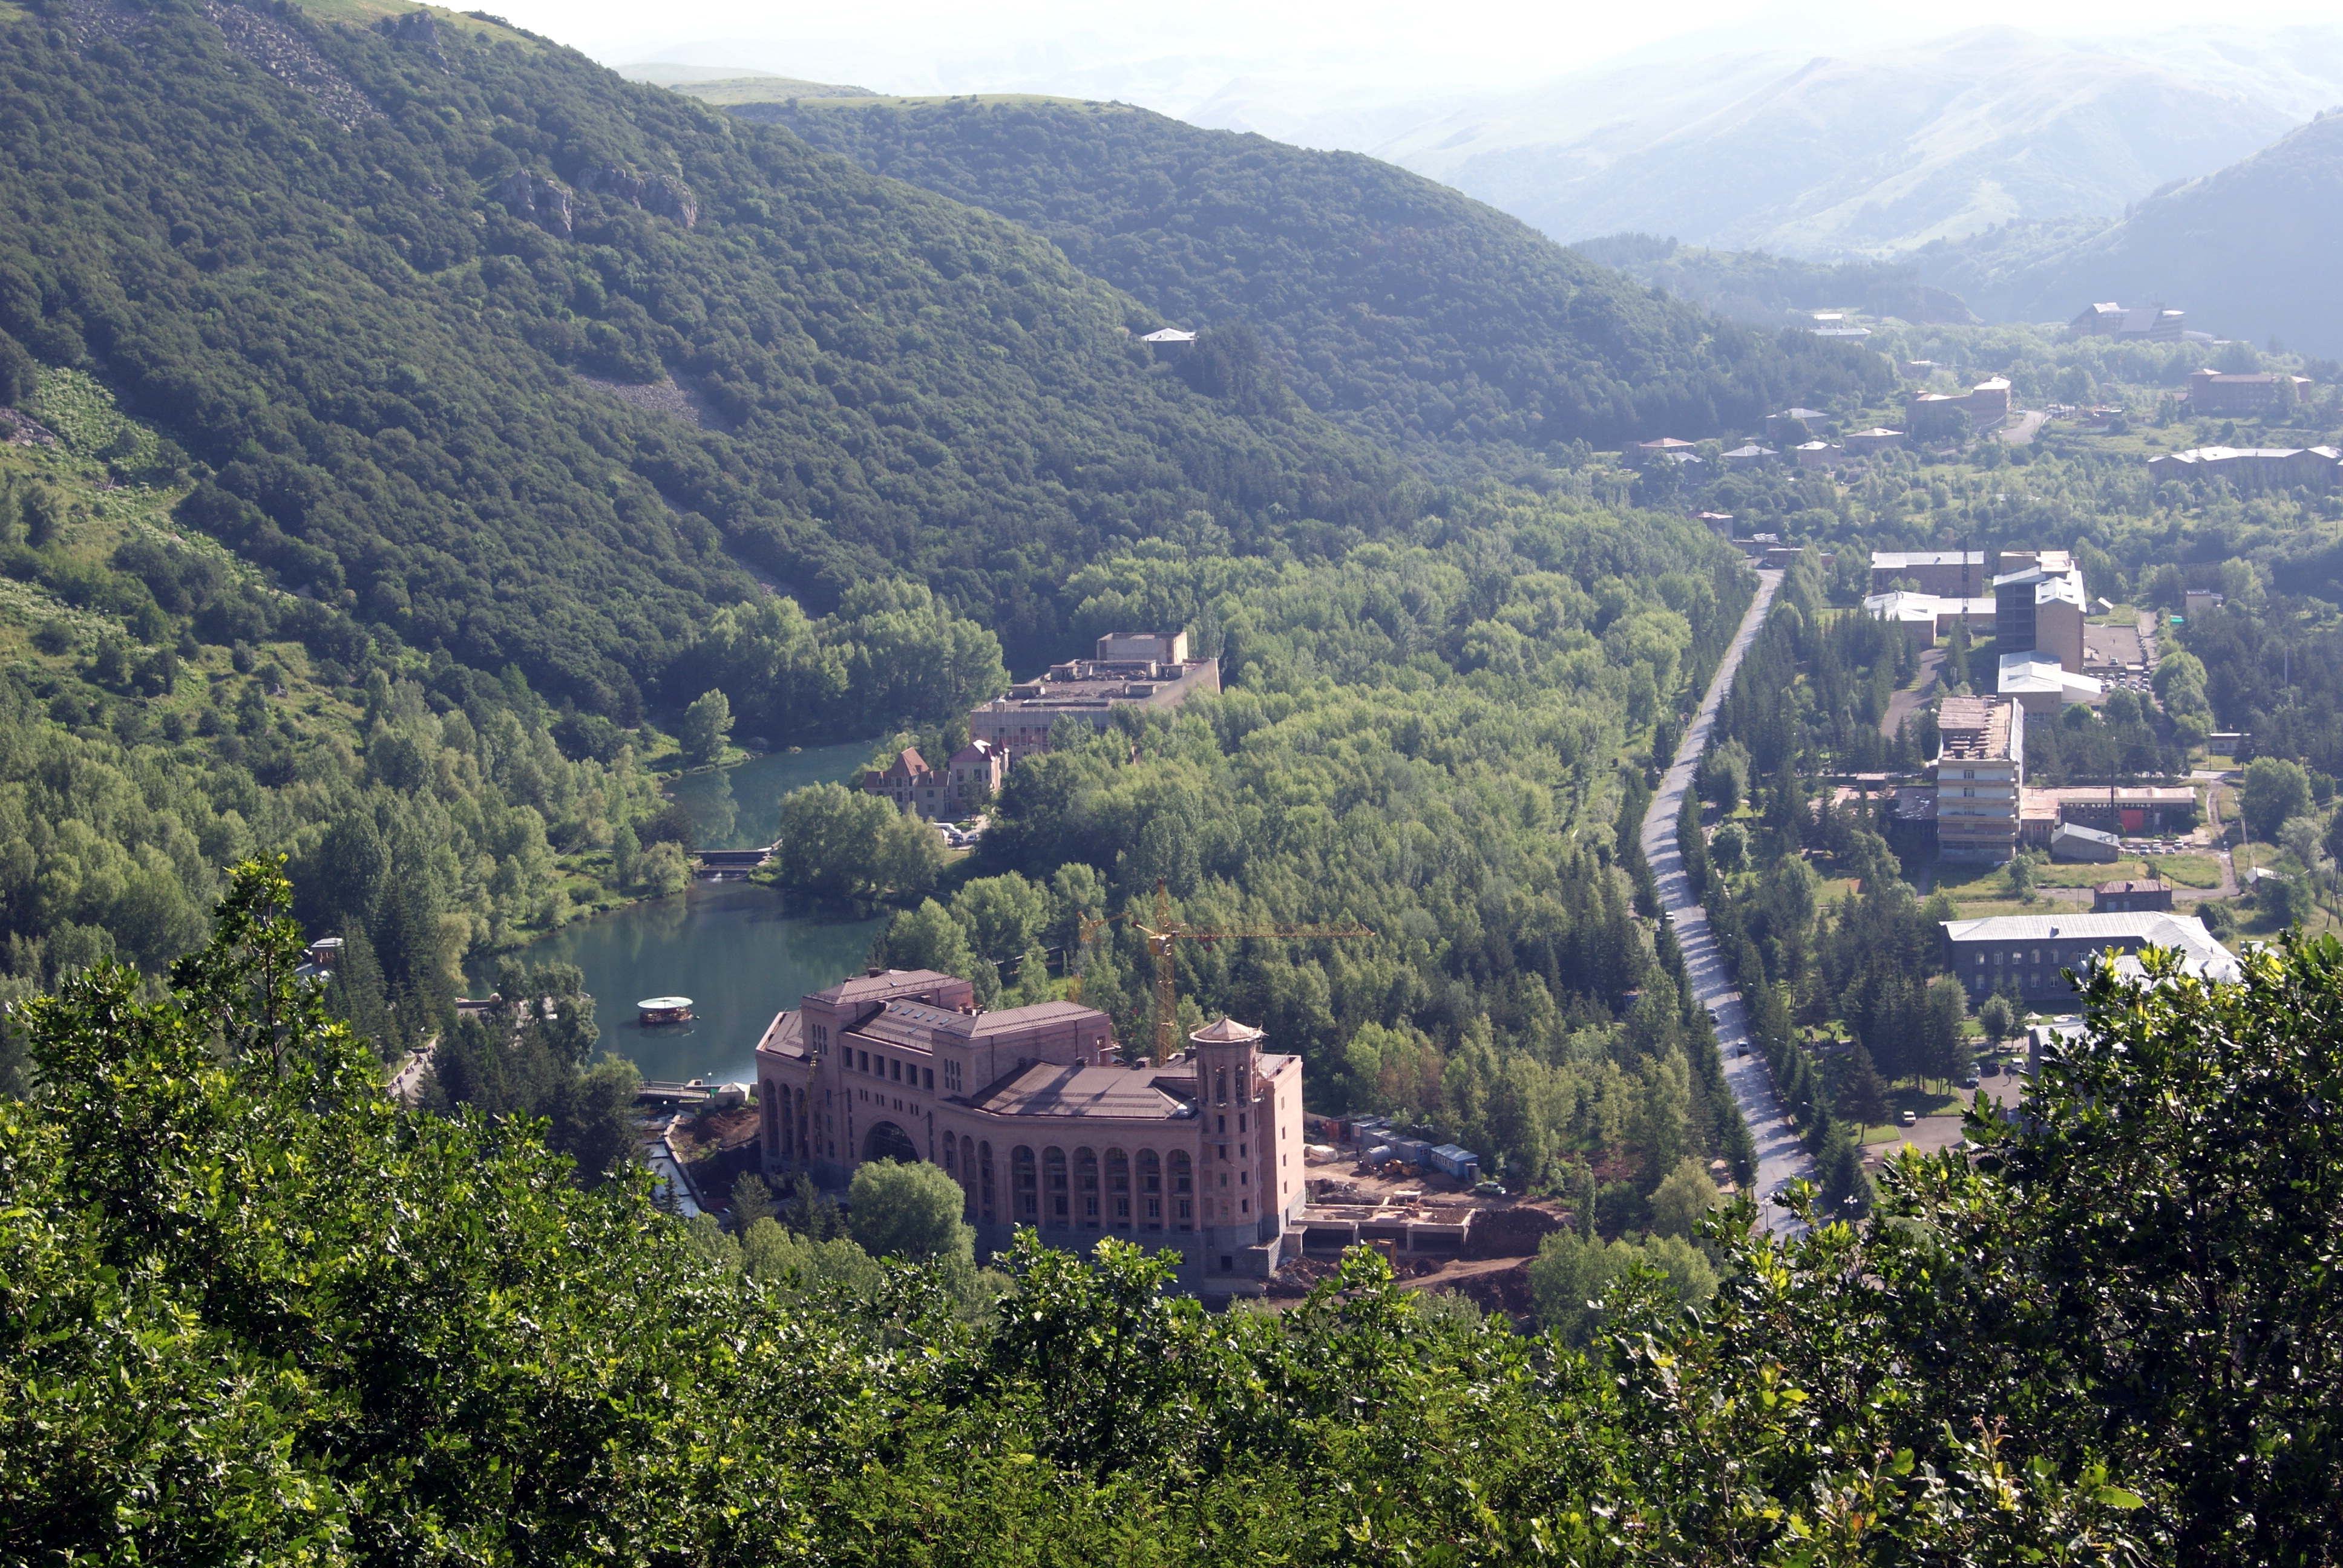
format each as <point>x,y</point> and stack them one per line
<point>1909,1119</point>
<point>1489,1190</point>
<point>1969,1082</point>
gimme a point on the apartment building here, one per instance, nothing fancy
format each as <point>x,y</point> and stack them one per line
<point>1980,769</point>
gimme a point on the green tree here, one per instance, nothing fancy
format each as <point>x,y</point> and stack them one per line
<point>751,1201</point>
<point>283,1232</point>
<point>1725,775</point>
<point>1684,1199</point>
<point>1998,1019</point>
<point>928,938</point>
<point>806,1212</point>
<point>2019,876</point>
<point>910,1211</point>
<point>1573,1281</point>
<point>1862,1094</point>
<point>1033,976</point>
<point>2275,791</point>
<point>1002,915</point>
<point>1944,1010</point>
<point>595,1120</point>
<point>853,848</point>
<point>626,856</point>
<point>664,869</point>
<point>707,726</point>
<point>2289,899</point>
<point>805,1265</point>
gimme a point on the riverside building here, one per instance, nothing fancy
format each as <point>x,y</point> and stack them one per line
<point>1031,1112</point>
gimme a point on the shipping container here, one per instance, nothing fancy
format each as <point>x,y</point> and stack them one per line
<point>1450,1159</point>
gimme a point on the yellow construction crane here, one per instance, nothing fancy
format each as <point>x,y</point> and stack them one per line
<point>1165,931</point>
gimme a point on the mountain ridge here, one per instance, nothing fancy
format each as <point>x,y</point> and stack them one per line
<point>2247,251</point>
<point>1406,311</point>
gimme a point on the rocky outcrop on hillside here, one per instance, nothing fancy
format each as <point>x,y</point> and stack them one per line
<point>418,28</point>
<point>20,429</point>
<point>540,199</point>
<point>282,52</point>
<point>668,197</point>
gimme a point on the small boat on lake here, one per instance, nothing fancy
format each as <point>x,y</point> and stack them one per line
<point>664,1009</point>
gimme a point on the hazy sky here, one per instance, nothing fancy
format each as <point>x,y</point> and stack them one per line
<point>1159,51</point>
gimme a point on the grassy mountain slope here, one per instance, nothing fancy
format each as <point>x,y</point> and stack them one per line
<point>1406,311</point>
<point>415,291</point>
<point>2249,252</point>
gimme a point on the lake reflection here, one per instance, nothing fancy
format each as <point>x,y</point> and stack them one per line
<point>740,952</point>
<point>740,807</point>
<point>737,951</point>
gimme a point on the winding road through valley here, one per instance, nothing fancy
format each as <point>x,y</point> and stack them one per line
<point>1780,1155</point>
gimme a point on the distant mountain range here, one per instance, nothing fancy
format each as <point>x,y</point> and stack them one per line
<point>2248,252</point>
<point>1863,154</point>
<point>1818,131</point>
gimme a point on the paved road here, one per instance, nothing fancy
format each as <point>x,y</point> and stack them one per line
<point>407,1081</point>
<point>2022,433</point>
<point>1780,1156</point>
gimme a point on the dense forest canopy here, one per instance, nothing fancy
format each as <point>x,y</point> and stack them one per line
<point>1392,304</point>
<point>250,1309</point>
<point>1425,738</point>
<point>417,300</point>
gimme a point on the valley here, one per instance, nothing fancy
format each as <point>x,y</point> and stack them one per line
<point>749,819</point>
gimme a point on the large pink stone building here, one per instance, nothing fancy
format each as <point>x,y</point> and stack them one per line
<point>1031,1112</point>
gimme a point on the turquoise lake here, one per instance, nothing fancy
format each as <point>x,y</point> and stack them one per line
<point>742,953</point>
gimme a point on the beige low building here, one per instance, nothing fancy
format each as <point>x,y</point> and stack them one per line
<point>1947,574</point>
<point>1986,404</point>
<point>1031,1112</point>
<point>2039,684</point>
<point>1133,669</point>
<point>1925,616</point>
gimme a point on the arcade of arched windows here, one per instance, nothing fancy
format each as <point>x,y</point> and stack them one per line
<point>1085,1189</point>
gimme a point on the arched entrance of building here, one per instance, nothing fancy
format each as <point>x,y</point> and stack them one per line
<point>889,1141</point>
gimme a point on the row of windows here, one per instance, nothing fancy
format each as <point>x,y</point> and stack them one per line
<point>895,1070</point>
<point>2031,956</point>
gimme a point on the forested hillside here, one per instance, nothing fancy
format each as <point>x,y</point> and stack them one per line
<point>417,296</point>
<point>1774,290</point>
<point>1393,305</point>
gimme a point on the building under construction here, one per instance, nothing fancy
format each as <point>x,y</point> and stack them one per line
<point>1030,1109</point>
